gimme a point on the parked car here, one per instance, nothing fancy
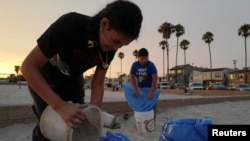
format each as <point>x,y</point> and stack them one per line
<point>165,85</point>
<point>180,86</point>
<point>216,87</point>
<point>241,87</point>
<point>196,86</point>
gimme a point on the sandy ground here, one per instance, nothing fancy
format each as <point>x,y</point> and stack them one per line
<point>220,113</point>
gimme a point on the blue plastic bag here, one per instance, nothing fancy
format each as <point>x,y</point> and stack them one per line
<point>141,103</point>
<point>114,137</point>
<point>185,130</point>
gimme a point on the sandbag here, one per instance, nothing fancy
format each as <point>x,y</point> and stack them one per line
<point>114,137</point>
<point>189,129</point>
<point>141,103</point>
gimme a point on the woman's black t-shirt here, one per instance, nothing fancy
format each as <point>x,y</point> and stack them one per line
<point>68,44</point>
<point>68,39</point>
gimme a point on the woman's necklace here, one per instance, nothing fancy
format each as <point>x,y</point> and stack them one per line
<point>105,65</point>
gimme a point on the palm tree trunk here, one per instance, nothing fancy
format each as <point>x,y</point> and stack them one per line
<point>121,66</point>
<point>109,71</point>
<point>176,61</point>
<point>167,61</point>
<point>163,60</point>
<point>246,60</point>
<point>210,63</point>
<point>184,57</point>
<point>185,76</point>
<point>121,75</point>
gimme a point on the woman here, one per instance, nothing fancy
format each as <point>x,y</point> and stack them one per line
<point>73,44</point>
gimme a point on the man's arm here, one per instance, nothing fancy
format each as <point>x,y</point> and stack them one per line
<point>134,84</point>
<point>154,82</point>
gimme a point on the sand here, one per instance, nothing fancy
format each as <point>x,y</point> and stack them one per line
<point>229,113</point>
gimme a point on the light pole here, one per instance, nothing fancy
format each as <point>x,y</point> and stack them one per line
<point>234,62</point>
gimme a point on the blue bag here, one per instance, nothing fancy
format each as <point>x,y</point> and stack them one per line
<point>114,137</point>
<point>141,103</point>
<point>186,130</point>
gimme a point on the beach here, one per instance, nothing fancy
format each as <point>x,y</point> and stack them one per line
<point>228,112</point>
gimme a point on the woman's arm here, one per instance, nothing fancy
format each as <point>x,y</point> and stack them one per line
<point>30,70</point>
<point>97,87</point>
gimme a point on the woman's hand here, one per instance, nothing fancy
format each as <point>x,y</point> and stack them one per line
<point>71,113</point>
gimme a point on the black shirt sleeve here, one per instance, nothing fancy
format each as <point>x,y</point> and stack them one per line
<point>53,38</point>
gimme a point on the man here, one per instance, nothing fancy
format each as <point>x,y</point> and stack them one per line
<point>143,73</point>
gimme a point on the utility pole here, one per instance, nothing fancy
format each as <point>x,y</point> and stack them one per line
<point>234,62</point>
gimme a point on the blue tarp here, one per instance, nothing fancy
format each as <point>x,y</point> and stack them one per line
<point>141,103</point>
<point>114,137</point>
<point>189,129</point>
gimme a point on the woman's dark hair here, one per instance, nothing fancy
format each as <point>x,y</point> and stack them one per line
<point>124,16</point>
<point>143,52</point>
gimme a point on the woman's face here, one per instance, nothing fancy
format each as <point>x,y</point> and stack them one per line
<point>111,39</point>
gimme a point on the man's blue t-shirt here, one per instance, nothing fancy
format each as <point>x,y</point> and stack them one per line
<point>143,73</point>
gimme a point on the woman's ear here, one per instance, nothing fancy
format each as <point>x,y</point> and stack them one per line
<point>104,24</point>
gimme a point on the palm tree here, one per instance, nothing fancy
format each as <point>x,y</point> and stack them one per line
<point>17,69</point>
<point>166,29</point>
<point>121,56</point>
<point>208,38</point>
<point>163,45</point>
<point>244,31</point>
<point>135,53</point>
<point>184,45</point>
<point>179,31</point>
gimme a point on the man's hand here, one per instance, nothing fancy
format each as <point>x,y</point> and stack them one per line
<point>150,95</point>
<point>136,93</point>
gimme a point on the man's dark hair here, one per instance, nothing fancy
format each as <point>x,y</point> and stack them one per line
<point>143,52</point>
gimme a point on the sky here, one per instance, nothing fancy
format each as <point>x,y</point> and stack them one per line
<point>22,22</point>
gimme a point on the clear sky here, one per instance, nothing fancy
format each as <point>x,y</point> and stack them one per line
<point>22,22</point>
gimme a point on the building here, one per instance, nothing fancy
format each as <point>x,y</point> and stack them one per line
<point>219,75</point>
<point>180,73</point>
<point>237,76</point>
<point>108,82</point>
<point>187,74</point>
